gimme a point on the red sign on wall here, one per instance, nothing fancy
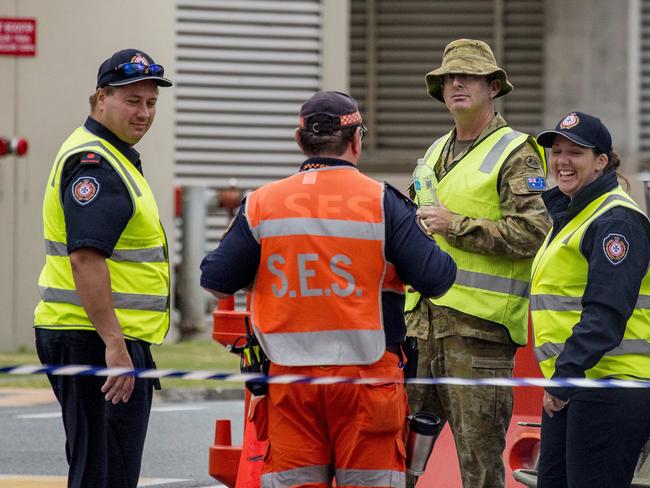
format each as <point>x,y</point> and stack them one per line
<point>17,36</point>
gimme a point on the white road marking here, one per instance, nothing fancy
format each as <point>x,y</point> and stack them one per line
<point>45,415</point>
<point>52,415</point>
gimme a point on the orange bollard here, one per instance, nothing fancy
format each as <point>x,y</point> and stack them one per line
<point>224,458</point>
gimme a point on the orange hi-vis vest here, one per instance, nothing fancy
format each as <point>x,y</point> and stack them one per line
<point>316,299</point>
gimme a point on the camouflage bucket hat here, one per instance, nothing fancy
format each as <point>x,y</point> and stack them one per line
<point>470,57</point>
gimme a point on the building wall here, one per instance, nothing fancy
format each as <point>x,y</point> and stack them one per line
<point>43,98</point>
<point>593,50</point>
<point>588,63</point>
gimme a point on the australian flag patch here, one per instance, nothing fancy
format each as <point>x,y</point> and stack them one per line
<point>536,183</point>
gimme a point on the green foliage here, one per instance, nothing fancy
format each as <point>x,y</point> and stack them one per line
<point>190,355</point>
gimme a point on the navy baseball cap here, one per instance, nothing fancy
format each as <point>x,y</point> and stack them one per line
<point>328,111</point>
<point>581,128</point>
<point>130,66</point>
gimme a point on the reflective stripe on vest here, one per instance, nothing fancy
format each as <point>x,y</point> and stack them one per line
<point>318,227</point>
<point>138,267</point>
<point>317,294</point>
<point>120,300</point>
<point>492,283</point>
<point>493,288</point>
<point>151,255</point>
<point>557,287</point>
<point>107,153</point>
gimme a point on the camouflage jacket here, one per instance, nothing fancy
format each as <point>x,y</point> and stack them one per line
<point>519,234</point>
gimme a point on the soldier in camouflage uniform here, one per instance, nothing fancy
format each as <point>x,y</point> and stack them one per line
<point>458,340</point>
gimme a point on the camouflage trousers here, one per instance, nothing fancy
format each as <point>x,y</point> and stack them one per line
<point>478,416</point>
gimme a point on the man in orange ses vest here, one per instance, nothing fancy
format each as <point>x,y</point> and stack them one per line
<point>327,251</point>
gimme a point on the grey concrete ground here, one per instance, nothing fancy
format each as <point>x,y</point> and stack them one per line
<point>180,433</point>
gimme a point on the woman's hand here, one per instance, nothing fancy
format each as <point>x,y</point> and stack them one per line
<point>552,404</point>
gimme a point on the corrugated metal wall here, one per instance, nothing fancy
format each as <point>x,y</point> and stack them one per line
<point>523,60</point>
<point>243,69</point>
<point>394,44</point>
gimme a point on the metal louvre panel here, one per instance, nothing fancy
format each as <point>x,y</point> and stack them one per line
<point>214,227</point>
<point>644,87</point>
<point>523,26</point>
<point>358,53</point>
<point>243,69</point>
<point>397,43</point>
<point>403,107</point>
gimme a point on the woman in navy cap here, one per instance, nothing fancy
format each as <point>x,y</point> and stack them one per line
<point>590,307</point>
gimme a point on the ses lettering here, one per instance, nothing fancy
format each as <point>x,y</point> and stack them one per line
<point>275,262</point>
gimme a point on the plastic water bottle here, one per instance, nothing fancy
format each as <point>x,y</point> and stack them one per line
<point>423,183</point>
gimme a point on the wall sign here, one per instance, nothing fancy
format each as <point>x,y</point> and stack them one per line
<point>17,36</point>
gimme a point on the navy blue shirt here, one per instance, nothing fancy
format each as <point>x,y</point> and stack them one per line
<point>416,257</point>
<point>97,204</point>
<point>613,281</point>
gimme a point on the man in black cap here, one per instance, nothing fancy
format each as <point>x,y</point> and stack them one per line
<point>325,251</point>
<point>105,284</point>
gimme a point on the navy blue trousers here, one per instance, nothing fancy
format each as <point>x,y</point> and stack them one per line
<point>104,442</point>
<point>595,441</point>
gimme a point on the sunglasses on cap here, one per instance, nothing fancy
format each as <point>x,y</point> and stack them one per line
<point>137,69</point>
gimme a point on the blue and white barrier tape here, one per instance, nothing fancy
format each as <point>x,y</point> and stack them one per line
<point>84,370</point>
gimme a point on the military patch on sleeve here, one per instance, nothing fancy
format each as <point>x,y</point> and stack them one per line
<point>533,163</point>
<point>615,247</point>
<point>90,158</point>
<point>535,183</point>
<point>85,190</point>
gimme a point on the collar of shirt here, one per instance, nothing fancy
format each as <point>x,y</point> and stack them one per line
<point>447,154</point>
<point>496,123</point>
<point>557,202</point>
<point>319,162</point>
<point>101,131</point>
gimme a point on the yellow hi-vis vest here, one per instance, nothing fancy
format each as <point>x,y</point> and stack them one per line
<point>558,283</point>
<point>493,288</point>
<point>138,267</point>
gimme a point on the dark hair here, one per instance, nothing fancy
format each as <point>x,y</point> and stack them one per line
<point>92,99</point>
<point>613,162</point>
<point>336,143</point>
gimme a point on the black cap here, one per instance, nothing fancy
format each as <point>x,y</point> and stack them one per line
<point>581,128</point>
<point>109,72</point>
<point>328,111</point>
